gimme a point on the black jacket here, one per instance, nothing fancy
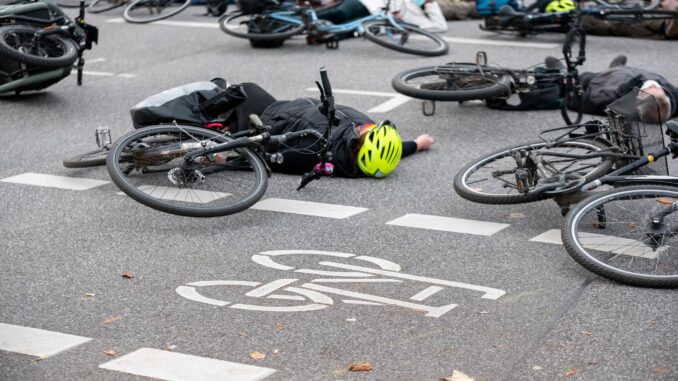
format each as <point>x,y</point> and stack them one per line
<point>303,113</point>
<point>601,89</point>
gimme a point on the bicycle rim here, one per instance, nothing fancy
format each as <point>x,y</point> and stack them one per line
<point>259,27</point>
<point>98,6</point>
<point>143,11</point>
<point>453,82</point>
<point>612,234</point>
<point>492,179</point>
<point>405,38</point>
<point>149,166</point>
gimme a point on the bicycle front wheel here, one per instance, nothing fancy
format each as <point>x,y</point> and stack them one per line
<point>149,166</point>
<point>143,11</point>
<point>259,27</point>
<point>18,42</point>
<point>405,38</point>
<point>617,234</point>
<point>453,82</point>
<point>491,179</point>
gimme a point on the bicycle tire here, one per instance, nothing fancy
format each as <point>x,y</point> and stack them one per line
<point>622,4</point>
<point>465,178</point>
<point>636,15</point>
<point>88,159</point>
<point>261,24</point>
<point>98,6</point>
<point>54,50</point>
<point>605,255</point>
<point>373,32</point>
<point>564,110</point>
<point>146,165</point>
<point>159,4</point>
<point>70,3</point>
<point>440,90</point>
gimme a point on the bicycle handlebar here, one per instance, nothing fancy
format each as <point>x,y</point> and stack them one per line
<point>326,82</point>
<point>575,35</point>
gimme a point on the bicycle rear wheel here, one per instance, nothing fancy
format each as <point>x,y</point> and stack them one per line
<point>149,166</point>
<point>17,42</point>
<point>613,235</point>
<point>70,3</point>
<point>491,179</point>
<point>453,82</point>
<point>405,38</point>
<point>630,4</point>
<point>88,159</point>
<point>143,11</point>
<point>98,6</point>
<point>260,27</point>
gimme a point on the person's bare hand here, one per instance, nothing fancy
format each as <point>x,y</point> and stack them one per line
<point>670,5</point>
<point>424,142</point>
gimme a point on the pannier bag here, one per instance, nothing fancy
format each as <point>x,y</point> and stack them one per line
<point>197,104</point>
<point>491,7</point>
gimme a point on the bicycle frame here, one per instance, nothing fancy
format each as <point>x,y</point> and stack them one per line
<point>291,17</point>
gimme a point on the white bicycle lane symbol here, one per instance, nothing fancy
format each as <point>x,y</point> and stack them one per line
<point>314,293</point>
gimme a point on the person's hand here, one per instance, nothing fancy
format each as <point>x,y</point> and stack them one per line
<point>670,5</point>
<point>424,142</point>
<point>398,15</point>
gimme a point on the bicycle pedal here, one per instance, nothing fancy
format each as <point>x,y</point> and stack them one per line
<point>102,135</point>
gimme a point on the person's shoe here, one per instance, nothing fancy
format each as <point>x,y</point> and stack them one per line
<point>618,61</point>
<point>553,63</point>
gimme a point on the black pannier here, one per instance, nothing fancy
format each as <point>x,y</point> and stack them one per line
<point>197,104</point>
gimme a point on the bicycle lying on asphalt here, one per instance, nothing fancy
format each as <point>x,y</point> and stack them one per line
<point>477,81</point>
<point>509,21</point>
<point>624,151</point>
<point>273,27</point>
<point>197,172</point>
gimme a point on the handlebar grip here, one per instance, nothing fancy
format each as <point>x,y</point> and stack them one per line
<point>576,34</point>
<point>255,120</point>
<point>326,82</point>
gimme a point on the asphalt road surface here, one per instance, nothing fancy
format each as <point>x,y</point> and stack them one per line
<point>419,292</point>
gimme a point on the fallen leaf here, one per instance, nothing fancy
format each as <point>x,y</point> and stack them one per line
<point>586,333</point>
<point>360,367</point>
<point>660,370</point>
<point>350,319</point>
<point>42,358</point>
<point>89,295</point>
<point>111,319</point>
<point>497,346</point>
<point>572,372</point>
<point>457,376</point>
<point>483,312</point>
<point>537,367</point>
<point>515,216</point>
<point>280,326</point>
<point>111,353</point>
<point>127,275</point>
<point>257,355</point>
<point>243,334</point>
<point>275,351</point>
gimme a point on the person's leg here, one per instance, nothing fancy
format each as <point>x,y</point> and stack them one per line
<point>619,60</point>
<point>414,14</point>
<point>257,101</point>
<point>347,10</point>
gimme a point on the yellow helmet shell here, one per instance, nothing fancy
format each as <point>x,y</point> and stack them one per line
<point>560,6</point>
<point>381,151</point>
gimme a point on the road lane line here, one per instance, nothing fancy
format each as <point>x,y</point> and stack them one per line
<point>51,181</point>
<point>308,208</point>
<point>449,224</point>
<point>605,243</point>
<point>173,366</point>
<point>517,44</point>
<point>184,24</point>
<point>390,104</point>
<point>432,290</point>
<point>36,342</point>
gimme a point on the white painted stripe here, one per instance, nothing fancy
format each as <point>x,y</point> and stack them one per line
<point>308,208</point>
<point>172,366</point>
<point>124,75</point>
<point>361,302</point>
<point>50,181</point>
<point>95,60</point>
<point>185,24</point>
<point>517,44</point>
<point>108,74</point>
<point>286,297</point>
<point>426,293</point>
<point>36,342</point>
<point>268,288</point>
<point>449,224</point>
<point>390,104</point>
<point>383,263</point>
<point>191,294</point>
<point>365,280</point>
<point>359,92</point>
<point>605,243</point>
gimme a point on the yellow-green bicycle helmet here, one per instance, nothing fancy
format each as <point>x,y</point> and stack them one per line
<point>560,6</point>
<point>381,150</point>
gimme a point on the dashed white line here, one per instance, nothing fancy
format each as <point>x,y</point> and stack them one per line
<point>395,101</point>
<point>172,366</point>
<point>36,342</point>
<point>606,243</point>
<point>449,224</point>
<point>308,208</point>
<point>108,74</point>
<point>517,44</point>
<point>51,181</point>
<point>185,24</point>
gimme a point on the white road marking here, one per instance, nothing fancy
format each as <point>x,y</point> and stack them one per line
<point>185,24</point>
<point>367,280</point>
<point>36,342</point>
<point>173,366</point>
<point>308,208</point>
<point>361,302</point>
<point>51,181</point>
<point>395,101</point>
<point>426,293</point>
<point>95,60</point>
<point>269,287</point>
<point>517,44</point>
<point>606,243</point>
<point>449,224</point>
<point>108,74</point>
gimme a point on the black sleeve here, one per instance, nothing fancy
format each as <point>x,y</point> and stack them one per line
<point>409,147</point>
